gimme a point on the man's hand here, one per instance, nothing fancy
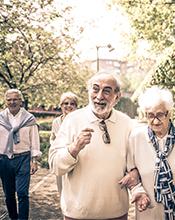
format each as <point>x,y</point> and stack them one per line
<point>81,141</point>
<point>131,179</point>
<point>33,167</point>
<point>142,201</point>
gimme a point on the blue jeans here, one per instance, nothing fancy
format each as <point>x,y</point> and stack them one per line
<point>15,175</point>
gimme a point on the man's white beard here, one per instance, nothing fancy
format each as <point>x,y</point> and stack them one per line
<point>99,111</point>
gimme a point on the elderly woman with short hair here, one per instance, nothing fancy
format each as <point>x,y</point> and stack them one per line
<point>153,153</point>
<point>68,103</point>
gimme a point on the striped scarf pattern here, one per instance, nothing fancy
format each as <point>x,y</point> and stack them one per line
<point>164,188</point>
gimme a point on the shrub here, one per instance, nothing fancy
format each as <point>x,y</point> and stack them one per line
<point>45,124</point>
<point>44,140</point>
<point>127,106</point>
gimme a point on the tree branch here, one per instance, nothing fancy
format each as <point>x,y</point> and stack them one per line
<point>5,80</point>
<point>30,56</point>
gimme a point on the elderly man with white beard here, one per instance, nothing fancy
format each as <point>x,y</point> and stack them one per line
<point>90,153</point>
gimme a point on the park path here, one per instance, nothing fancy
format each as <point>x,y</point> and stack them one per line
<point>44,198</point>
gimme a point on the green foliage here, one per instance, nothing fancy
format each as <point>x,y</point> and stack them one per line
<point>45,128</point>
<point>127,106</point>
<point>44,140</point>
<point>58,80</point>
<point>36,56</point>
<point>164,74</point>
<point>153,20</point>
<point>45,124</point>
<point>41,120</point>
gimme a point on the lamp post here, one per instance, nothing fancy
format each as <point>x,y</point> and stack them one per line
<point>109,46</point>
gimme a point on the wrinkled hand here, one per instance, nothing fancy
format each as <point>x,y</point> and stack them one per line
<point>81,141</point>
<point>131,179</point>
<point>33,168</point>
<point>142,201</point>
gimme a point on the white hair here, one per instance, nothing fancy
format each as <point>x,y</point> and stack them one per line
<point>101,75</point>
<point>155,96</point>
<point>10,91</point>
<point>68,95</point>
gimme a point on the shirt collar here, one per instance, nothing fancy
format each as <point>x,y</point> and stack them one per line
<point>12,116</point>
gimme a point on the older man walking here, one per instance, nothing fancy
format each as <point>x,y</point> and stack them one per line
<point>19,151</point>
<point>90,152</point>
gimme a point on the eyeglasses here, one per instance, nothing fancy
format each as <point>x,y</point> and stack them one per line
<point>159,115</point>
<point>69,103</point>
<point>105,136</point>
<point>107,90</point>
<point>13,100</point>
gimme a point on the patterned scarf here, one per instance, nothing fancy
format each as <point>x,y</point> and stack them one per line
<point>164,189</point>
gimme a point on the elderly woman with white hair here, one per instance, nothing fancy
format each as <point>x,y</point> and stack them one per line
<point>153,153</point>
<point>68,103</point>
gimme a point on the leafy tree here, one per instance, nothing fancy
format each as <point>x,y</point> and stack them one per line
<point>153,20</point>
<point>164,74</point>
<point>56,81</point>
<point>31,50</point>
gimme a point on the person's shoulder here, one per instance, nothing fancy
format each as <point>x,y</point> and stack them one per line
<point>57,119</point>
<point>77,113</point>
<point>121,115</point>
<point>27,113</point>
<point>139,129</point>
<point>3,111</point>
